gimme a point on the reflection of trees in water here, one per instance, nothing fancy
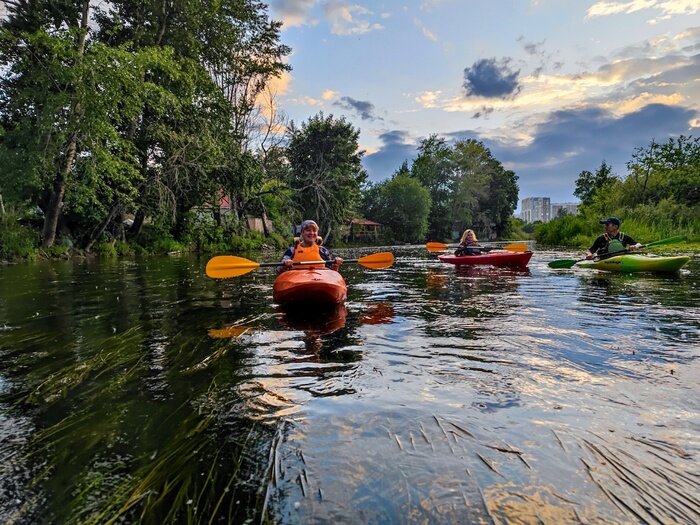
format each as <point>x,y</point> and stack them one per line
<point>660,303</point>
<point>455,301</point>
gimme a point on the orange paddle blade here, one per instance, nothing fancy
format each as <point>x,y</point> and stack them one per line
<point>377,261</point>
<point>436,246</point>
<point>516,247</point>
<point>229,332</point>
<point>225,266</point>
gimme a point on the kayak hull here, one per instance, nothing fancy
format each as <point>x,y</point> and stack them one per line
<point>517,259</point>
<point>635,263</point>
<point>319,286</point>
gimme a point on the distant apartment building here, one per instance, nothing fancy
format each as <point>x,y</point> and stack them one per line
<point>535,209</point>
<point>570,207</point>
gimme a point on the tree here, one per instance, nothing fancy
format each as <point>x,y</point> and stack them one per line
<point>484,195</point>
<point>401,203</point>
<point>326,173</point>
<point>62,104</point>
<point>434,169</point>
<point>589,184</point>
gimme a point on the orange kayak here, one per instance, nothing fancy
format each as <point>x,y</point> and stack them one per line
<point>313,285</point>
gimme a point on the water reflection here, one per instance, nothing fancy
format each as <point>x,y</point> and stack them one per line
<point>140,391</point>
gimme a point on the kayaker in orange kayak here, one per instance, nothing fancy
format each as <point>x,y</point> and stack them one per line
<point>612,241</point>
<point>469,245</point>
<point>308,248</point>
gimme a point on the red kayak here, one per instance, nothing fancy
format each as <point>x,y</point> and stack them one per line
<point>312,285</point>
<point>503,258</point>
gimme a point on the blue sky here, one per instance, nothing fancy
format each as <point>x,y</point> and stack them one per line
<point>552,87</point>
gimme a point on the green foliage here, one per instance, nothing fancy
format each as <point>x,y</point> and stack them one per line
<point>469,188</point>
<point>519,230</point>
<point>326,170</point>
<point>588,185</point>
<point>402,204</point>
<point>16,240</point>
<point>659,198</point>
<point>434,168</point>
<point>569,230</point>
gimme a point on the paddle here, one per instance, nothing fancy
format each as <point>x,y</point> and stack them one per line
<point>569,263</point>
<point>225,266</point>
<point>441,247</point>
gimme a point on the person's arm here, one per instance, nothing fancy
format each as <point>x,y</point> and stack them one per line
<point>286,263</point>
<point>333,262</point>
<point>630,243</point>
<point>597,244</point>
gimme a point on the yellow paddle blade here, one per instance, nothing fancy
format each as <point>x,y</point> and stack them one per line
<point>436,246</point>
<point>377,261</point>
<point>516,247</point>
<point>225,266</point>
<point>229,332</point>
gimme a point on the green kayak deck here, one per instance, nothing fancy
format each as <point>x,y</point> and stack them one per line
<point>633,263</point>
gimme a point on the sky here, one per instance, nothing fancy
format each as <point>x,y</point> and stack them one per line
<point>551,87</point>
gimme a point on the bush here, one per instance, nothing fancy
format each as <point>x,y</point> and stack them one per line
<point>16,241</point>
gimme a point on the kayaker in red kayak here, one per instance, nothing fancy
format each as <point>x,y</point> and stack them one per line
<point>612,241</point>
<point>308,248</point>
<point>469,245</point>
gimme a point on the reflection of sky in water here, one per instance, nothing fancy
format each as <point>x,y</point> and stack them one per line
<point>436,394</point>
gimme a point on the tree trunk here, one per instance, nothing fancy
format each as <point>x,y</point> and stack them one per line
<point>138,223</point>
<point>266,230</point>
<point>100,228</point>
<point>48,234</point>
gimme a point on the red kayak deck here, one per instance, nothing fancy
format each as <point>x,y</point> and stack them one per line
<point>504,258</point>
<point>315,286</point>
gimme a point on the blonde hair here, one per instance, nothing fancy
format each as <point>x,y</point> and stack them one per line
<point>464,236</point>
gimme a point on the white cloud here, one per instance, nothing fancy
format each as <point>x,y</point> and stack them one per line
<point>426,32</point>
<point>329,94</point>
<point>293,12</point>
<point>428,99</point>
<point>345,19</point>
<point>667,8</point>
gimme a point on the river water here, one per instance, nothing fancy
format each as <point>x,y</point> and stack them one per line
<point>142,391</point>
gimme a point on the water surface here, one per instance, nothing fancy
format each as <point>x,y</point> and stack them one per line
<point>141,390</point>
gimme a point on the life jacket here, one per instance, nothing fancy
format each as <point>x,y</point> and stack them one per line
<point>615,244</point>
<point>308,253</point>
<point>469,248</point>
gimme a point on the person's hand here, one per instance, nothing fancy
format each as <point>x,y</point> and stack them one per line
<point>635,246</point>
<point>336,264</point>
<point>589,256</point>
<point>288,263</point>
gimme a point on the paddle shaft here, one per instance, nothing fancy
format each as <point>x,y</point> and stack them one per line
<point>569,263</point>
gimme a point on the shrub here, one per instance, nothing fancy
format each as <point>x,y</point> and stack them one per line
<point>16,241</point>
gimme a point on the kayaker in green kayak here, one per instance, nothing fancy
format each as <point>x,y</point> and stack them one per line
<point>612,241</point>
<point>469,245</point>
<point>308,248</point>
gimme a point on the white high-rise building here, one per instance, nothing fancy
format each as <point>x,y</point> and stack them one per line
<point>535,209</point>
<point>570,207</point>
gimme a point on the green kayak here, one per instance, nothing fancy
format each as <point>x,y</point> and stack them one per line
<point>633,263</point>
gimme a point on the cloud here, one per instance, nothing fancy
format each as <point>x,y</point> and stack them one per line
<point>294,12</point>
<point>668,8</point>
<point>485,111</point>
<point>428,99</point>
<point>570,141</point>
<point>533,48</point>
<point>426,32</point>
<point>328,94</point>
<point>491,79</point>
<point>562,145</point>
<point>364,108</point>
<point>397,146</point>
<point>345,18</point>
